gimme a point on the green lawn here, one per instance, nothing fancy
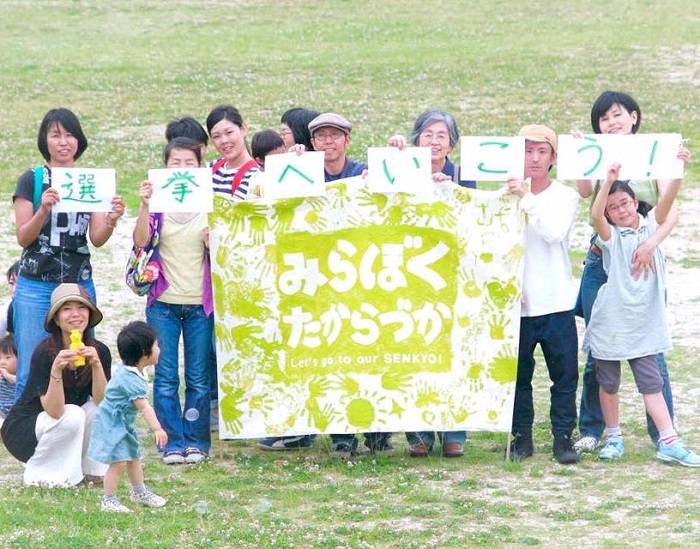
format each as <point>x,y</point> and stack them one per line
<point>127,68</point>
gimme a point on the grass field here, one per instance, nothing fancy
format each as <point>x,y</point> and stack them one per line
<point>127,68</point>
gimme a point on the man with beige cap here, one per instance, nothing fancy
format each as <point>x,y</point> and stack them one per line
<point>547,314</point>
<point>330,133</point>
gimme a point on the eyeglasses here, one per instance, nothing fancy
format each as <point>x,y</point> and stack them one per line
<point>439,136</point>
<point>284,133</point>
<point>622,205</point>
<point>335,136</point>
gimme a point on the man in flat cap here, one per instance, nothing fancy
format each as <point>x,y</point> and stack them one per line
<point>330,133</point>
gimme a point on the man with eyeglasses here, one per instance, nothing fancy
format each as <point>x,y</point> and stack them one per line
<point>330,133</point>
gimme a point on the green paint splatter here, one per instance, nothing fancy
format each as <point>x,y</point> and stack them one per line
<point>360,412</point>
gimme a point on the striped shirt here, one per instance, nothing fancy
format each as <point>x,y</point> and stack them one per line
<point>7,396</point>
<point>223,177</point>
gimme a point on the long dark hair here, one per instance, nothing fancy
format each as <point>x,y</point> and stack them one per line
<point>643,207</point>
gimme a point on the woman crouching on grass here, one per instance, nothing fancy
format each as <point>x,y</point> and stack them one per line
<point>49,427</point>
<point>628,320</point>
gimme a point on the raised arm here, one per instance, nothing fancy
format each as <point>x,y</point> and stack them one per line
<point>141,230</point>
<point>643,257</point>
<point>668,190</point>
<point>600,222</point>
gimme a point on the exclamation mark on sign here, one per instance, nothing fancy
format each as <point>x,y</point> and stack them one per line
<point>651,156</point>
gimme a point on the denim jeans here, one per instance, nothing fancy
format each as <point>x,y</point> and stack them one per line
<point>213,373</point>
<point>591,421</point>
<point>188,429</point>
<point>31,302</point>
<point>557,337</point>
<point>428,437</point>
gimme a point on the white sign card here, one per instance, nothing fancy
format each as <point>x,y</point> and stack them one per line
<point>641,156</point>
<point>407,170</point>
<point>491,158</point>
<point>291,175</point>
<point>84,189</point>
<point>181,190</point>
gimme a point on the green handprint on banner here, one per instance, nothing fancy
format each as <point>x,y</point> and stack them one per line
<point>231,414</point>
<point>320,418</point>
<point>438,212</point>
<point>502,294</point>
<point>346,384</point>
<point>428,396</point>
<point>497,325</point>
<point>504,367</point>
<point>395,380</point>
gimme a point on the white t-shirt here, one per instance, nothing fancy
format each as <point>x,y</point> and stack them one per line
<point>548,285</point>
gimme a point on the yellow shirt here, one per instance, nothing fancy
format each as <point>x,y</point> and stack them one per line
<point>182,257</point>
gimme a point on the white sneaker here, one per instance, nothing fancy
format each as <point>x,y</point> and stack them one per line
<point>147,498</point>
<point>194,455</point>
<point>173,458</point>
<point>586,444</point>
<point>113,505</point>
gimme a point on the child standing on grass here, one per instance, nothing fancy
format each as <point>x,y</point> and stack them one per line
<point>114,439</point>
<point>628,320</point>
<point>8,374</point>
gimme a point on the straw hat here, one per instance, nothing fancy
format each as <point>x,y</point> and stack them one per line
<point>66,293</point>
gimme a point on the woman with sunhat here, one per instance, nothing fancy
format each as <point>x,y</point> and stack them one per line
<point>49,427</point>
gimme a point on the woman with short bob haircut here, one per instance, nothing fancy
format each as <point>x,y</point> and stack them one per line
<point>55,244</point>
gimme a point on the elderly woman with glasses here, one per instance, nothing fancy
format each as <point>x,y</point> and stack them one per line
<point>438,130</point>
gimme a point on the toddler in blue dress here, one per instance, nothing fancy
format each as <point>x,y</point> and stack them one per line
<point>114,440</point>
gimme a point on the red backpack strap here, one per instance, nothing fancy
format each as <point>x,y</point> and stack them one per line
<point>241,173</point>
<point>216,165</point>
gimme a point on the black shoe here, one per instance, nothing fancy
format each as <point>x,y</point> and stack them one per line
<point>521,447</point>
<point>378,444</point>
<point>563,450</point>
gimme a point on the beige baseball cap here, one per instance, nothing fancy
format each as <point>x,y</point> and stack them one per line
<point>539,134</point>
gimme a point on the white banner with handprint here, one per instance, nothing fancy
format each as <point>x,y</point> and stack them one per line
<point>360,311</point>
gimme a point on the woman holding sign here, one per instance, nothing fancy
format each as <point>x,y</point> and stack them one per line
<point>616,113</point>
<point>438,130</point>
<point>55,245</point>
<point>180,304</point>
